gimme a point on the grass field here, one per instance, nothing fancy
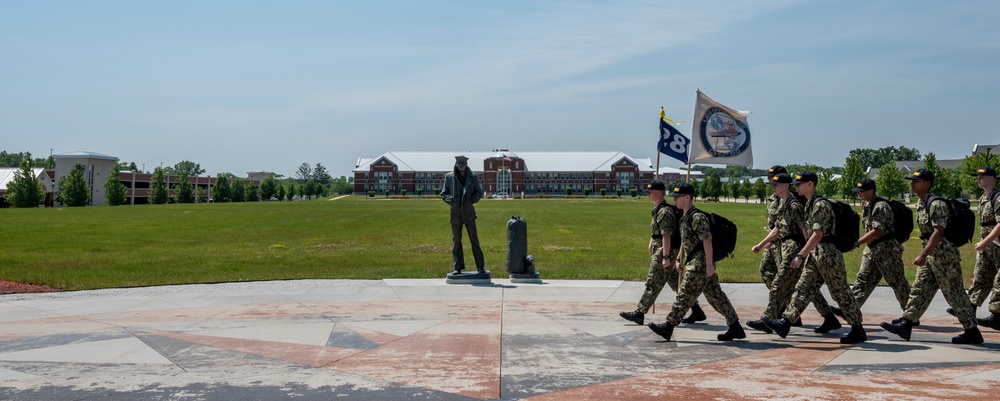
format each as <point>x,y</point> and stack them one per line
<point>350,238</point>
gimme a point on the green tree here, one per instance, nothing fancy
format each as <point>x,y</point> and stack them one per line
<point>946,181</point>
<point>126,166</point>
<point>268,188</point>
<point>185,189</point>
<point>569,190</point>
<point>760,189</point>
<point>853,172</point>
<point>826,185</point>
<point>73,189</point>
<point>114,191</point>
<point>971,164</point>
<point>253,193</point>
<point>586,191</point>
<point>726,190</point>
<point>304,172</point>
<point>25,190</point>
<point>343,185</point>
<point>158,193</point>
<point>202,195</point>
<point>309,189</point>
<point>633,192</point>
<point>239,190</point>
<point>187,168</point>
<point>604,192</point>
<point>321,175</point>
<point>279,192</point>
<point>222,191</point>
<point>420,192</point>
<point>746,188</point>
<point>879,157</point>
<point>890,182</point>
<point>712,186</point>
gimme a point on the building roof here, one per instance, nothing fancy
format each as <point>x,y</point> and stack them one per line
<point>80,154</point>
<point>910,166</point>
<point>7,175</point>
<point>533,161</point>
<point>985,148</point>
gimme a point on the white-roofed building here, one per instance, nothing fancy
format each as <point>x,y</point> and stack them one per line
<point>96,166</point>
<point>504,172</point>
<point>43,176</point>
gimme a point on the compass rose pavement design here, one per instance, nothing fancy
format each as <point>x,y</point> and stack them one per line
<point>427,340</point>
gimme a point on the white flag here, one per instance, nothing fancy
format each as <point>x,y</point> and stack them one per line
<point>719,135</point>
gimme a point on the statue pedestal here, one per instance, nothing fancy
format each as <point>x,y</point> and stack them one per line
<point>525,278</point>
<point>473,277</point>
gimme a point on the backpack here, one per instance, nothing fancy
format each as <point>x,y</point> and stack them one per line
<point>723,237</point>
<point>846,225</point>
<point>903,221</point>
<point>675,236</point>
<point>961,220</point>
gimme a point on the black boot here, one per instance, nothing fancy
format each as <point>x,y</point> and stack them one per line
<point>915,323</point>
<point>900,327</point>
<point>951,311</point>
<point>992,321</point>
<point>838,312</point>
<point>971,336</point>
<point>758,325</point>
<point>857,335</point>
<point>830,322</point>
<point>735,332</point>
<point>780,325</point>
<point>696,315</point>
<point>634,316</point>
<point>665,330</point>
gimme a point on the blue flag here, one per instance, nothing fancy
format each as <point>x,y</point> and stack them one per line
<point>672,142</point>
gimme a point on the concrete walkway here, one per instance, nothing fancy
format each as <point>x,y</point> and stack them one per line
<point>424,339</point>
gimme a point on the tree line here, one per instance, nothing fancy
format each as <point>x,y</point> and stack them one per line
<point>891,182</point>
<point>315,181</point>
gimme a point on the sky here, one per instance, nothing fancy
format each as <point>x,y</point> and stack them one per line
<point>240,86</point>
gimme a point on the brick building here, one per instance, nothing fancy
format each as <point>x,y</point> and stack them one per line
<point>505,172</point>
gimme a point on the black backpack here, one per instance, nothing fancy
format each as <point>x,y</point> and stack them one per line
<point>846,225</point>
<point>675,236</point>
<point>903,220</point>
<point>723,236</point>
<point>961,222</point>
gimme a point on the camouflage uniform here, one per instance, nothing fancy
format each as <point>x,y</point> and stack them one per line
<point>790,219</point>
<point>694,228</point>
<point>943,270</point>
<point>988,260</point>
<point>771,256</point>
<point>882,258</point>
<point>824,264</point>
<point>663,223</point>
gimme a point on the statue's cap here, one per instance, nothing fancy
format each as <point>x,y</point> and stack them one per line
<point>461,158</point>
